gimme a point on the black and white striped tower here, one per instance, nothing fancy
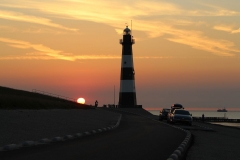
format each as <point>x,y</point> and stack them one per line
<point>127,95</point>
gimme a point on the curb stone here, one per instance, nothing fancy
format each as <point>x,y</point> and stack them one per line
<point>44,141</point>
<point>78,135</point>
<point>28,143</point>
<point>10,147</point>
<point>57,139</point>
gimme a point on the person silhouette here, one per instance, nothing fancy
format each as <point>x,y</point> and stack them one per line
<point>96,103</point>
<point>202,117</point>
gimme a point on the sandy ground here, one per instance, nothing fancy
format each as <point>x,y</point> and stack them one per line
<point>22,125</point>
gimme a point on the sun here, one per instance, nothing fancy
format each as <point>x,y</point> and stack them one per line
<point>81,100</point>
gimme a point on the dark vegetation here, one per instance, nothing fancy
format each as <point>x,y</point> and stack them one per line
<point>19,99</point>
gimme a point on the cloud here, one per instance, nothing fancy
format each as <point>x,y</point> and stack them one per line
<point>215,13</point>
<point>33,30</point>
<point>216,8</point>
<point>236,31</point>
<point>37,47</point>
<point>223,28</point>
<point>227,29</point>
<point>45,53</point>
<point>155,18</point>
<point>198,41</point>
<point>4,28</point>
<point>26,58</point>
<point>16,16</point>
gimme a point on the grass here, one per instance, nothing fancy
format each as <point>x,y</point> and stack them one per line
<point>19,99</point>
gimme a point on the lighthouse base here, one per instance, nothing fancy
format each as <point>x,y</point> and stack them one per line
<point>129,106</point>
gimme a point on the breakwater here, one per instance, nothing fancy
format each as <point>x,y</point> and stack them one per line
<point>216,119</point>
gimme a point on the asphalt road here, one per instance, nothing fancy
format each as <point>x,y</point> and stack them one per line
<point>219,143</point>
<point>136,138</point>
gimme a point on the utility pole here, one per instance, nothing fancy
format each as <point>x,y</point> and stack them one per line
<point>114,95</point>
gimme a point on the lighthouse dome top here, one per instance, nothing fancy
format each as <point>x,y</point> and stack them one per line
<point>126,31</point>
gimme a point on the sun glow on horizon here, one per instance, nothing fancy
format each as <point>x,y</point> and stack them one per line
<point>81,100</point>
<point>183,52</point>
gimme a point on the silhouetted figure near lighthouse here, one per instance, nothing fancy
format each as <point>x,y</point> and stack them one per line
<point>96,103</point>
<point>127,95</point>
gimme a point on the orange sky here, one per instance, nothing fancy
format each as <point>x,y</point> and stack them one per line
<point>186,52</point>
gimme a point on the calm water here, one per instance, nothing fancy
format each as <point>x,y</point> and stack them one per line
<point>229,115</point>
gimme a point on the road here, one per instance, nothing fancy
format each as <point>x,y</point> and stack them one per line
<point>136,138</point>
<point>214,143</point>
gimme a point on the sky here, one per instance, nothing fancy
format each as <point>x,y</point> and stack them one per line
<point>185,52</point>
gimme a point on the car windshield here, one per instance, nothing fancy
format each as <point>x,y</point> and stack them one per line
<point>166,110</point>
<point>177,105</point>
<point>182,112</point>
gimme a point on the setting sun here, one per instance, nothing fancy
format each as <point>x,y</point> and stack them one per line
<point>81,100</point>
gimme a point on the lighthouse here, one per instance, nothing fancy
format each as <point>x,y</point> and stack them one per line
<point>127,95</point>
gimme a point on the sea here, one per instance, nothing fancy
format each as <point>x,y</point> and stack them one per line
<point>229,115</point>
